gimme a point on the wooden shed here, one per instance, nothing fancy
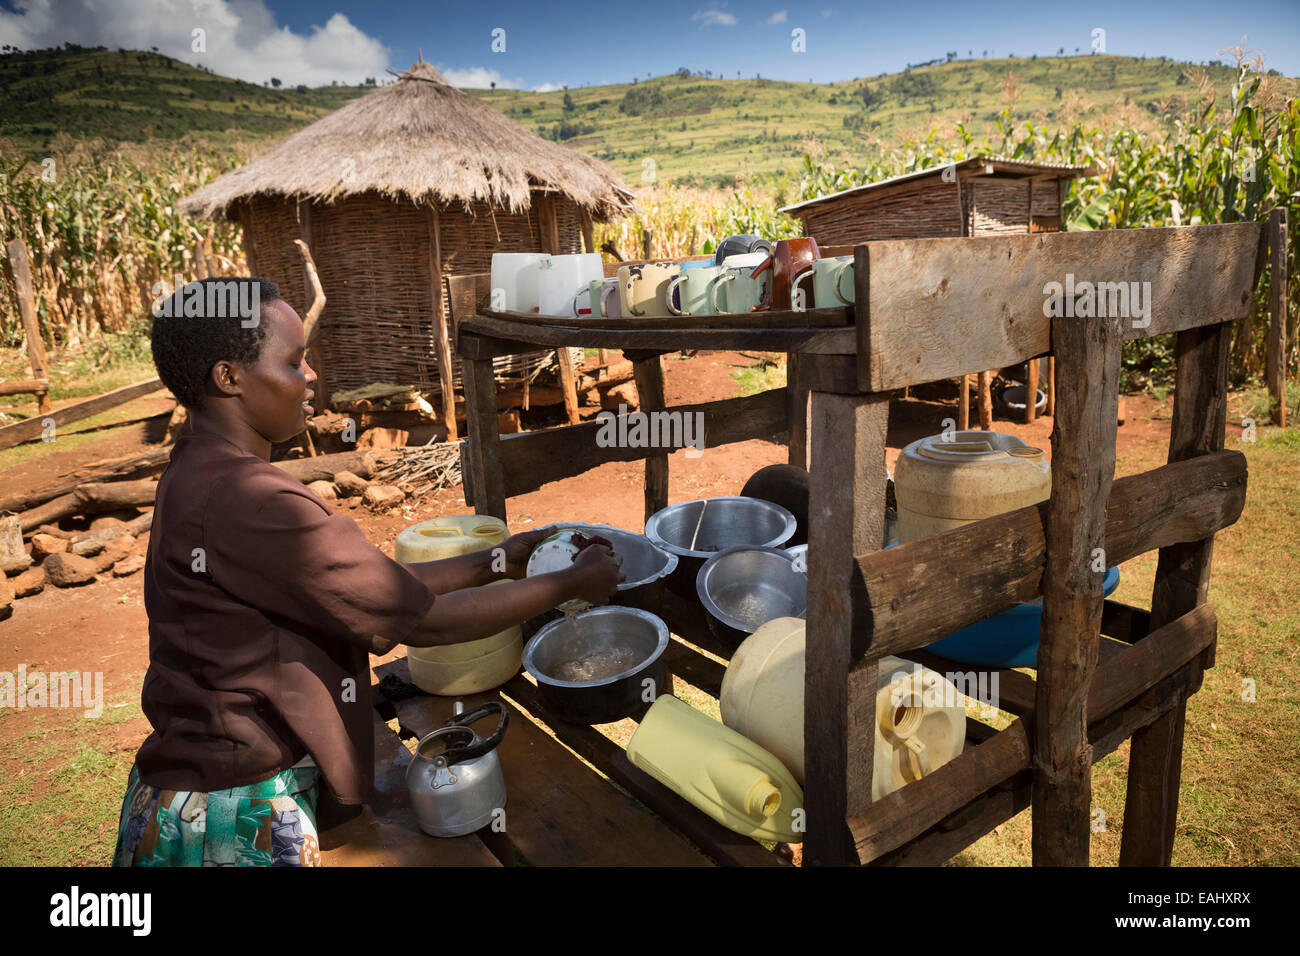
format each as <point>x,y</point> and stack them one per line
<point>981,196</point>
<point>392,193</point>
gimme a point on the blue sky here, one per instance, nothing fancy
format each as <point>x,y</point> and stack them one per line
<point>581,42</point>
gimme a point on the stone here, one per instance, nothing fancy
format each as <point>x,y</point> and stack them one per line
<point>113,552</point>
<point>69,570</point>
<point>624,394</point>
<point>6,597</point>
<point>141,545</point>
<point>128,565</point>
<point>324,490</point>
<point>30,582</point>
<point>383,497</point>
<point>104,522</point>
<point>349,484</point>
<point>378,439</point>
<point>44,545</point>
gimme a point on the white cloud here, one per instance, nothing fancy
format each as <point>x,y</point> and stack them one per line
<point>241,36</point>
<point>714,17</point>
<point>479,78</point>
<point>779,17</point>
<point>548,87</point>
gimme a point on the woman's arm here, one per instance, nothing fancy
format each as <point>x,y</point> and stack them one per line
<point>477,612</point>
<point>454,574</point>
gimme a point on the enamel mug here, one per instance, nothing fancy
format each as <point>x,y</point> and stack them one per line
<point>832,282</point>
<point>737,289</point>
<point>644,288</point>
<point>688,291</point>
<point>596,293</point>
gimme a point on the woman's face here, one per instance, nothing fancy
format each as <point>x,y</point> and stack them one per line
<point>276,388</point>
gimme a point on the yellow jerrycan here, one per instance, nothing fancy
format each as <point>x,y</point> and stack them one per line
<point>920,716</point>
<point>473,666</point>
<point>717,770</point>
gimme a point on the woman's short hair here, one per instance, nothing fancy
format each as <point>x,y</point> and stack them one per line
<point>206,322</point>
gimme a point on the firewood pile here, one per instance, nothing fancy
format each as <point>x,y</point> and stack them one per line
<point>96,520</point>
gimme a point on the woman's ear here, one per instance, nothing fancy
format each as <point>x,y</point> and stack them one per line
<point>226,378</point>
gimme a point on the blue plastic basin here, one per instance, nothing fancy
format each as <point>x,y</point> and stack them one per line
<point>1009,639</point>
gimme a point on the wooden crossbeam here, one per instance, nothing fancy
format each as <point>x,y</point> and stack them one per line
<point>1120,683</point>
<point>904,596</point>
<point>931,300</point>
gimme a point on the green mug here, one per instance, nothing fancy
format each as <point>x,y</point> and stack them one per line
<point>692,287</point>
<point>828,284</point>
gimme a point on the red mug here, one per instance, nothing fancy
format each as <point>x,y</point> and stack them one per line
<point>788,259</point>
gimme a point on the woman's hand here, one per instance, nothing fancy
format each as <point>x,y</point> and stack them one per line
<point>597,572</point>
<point>518,547</point>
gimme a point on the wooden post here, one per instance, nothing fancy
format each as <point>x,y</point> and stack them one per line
<point>1083,465</point>
<point>484,476</point>
<point>1275,367</point>
<point>1051,385</point>
<point>846,517</point>
<point>200,261</point>
<point>588,232</point>
<point>647,243</point>
<point>441,323</point>
<point>1182,582</point>
<point>1031,390</point>
<point>986,400</point>
<point>246,222</point>
<point>313,292</point>
<point>797,387</point>
<point>649,375</point>
<point>550,232</point>
<point>963,404</point>
<point>21,264</point>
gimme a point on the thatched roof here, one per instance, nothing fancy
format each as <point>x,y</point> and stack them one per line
<point>423,140</point>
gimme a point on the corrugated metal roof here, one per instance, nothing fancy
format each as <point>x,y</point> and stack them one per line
<point>998,163</point>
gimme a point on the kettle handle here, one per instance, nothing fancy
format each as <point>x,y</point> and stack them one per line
<point>487,744</point>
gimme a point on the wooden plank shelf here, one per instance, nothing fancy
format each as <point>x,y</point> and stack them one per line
<point>929,310</point>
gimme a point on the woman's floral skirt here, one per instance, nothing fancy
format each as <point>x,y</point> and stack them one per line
<point>269,823</point>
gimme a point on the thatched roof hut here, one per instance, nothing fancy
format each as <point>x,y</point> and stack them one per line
<point>394,192</point>
<point>980,196</point>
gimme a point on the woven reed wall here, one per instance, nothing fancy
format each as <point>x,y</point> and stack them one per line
<point>372,255</point>
<point>923,210</point>
<point>1001,206</point>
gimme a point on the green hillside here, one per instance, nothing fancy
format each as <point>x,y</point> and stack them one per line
<point>699,130</point>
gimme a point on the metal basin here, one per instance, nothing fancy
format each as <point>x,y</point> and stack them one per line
<point>713,525</point>
<point>591,667</point>
<point>644,565</point>
<point>744,588</point>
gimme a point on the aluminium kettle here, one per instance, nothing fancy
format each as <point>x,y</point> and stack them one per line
<point>455,779</point>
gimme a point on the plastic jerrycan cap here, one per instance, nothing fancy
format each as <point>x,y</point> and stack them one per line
<point>741,785</point>
<point>900,720</point>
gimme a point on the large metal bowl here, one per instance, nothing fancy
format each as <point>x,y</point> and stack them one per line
<point>644,565</point>
<point>744,588</point>
<point>591,667</point>
<point>722,523</point>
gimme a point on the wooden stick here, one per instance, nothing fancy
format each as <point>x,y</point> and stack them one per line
<point>584,223</point>
<point>986,400</point>
<point>117,469</point>
<point>1182,583</point>
<point>33,428</point>
<point>91,498</point>
<point>1051,385</point>
<point>1275,366</point>
<point>441,327</point>
<point>1031,390</point>
<point>568,384</point>
<point>797,386</point>
<point>484,479</point>
<point>963,404</point>
<point>26,386</point>
<point>649,374</point>
<point>20,263</point>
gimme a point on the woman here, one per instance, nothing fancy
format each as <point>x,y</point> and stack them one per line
<point>263,604</point>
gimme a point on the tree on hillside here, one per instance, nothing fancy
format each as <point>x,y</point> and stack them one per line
<point>275,81</point>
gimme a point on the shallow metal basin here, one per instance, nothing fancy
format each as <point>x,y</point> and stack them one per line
<point>722,523</point>
<point>744,588</point>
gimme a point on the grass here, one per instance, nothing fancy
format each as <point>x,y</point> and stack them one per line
<point>1238,802</point>
<point>110,364</point>
<point>766,374</point>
